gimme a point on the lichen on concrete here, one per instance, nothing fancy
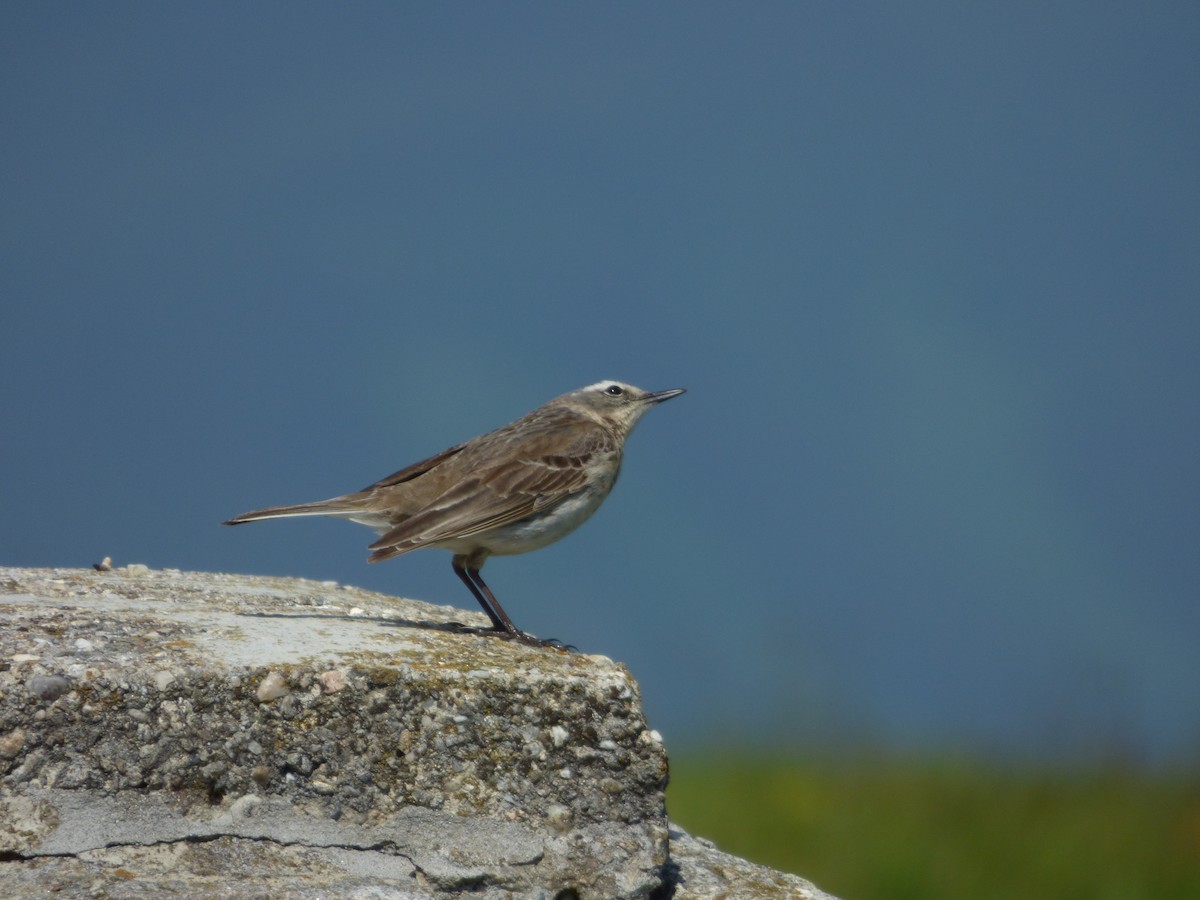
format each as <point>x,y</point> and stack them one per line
<point>331,738</point>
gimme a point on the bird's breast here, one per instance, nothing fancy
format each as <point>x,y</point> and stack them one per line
<point>547,525</point>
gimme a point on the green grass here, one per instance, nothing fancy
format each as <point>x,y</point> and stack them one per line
<point>892,830</point>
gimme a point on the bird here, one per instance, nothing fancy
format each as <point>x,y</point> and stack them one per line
<point>516,489</point>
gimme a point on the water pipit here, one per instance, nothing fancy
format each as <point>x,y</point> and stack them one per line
<point>509,491</point>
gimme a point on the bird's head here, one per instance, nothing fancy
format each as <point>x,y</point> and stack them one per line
<point>616,404</point>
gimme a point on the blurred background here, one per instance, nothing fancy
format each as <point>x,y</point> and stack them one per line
<point>921,536</point>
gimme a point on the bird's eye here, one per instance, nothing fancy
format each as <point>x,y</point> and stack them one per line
<point>614,390</point>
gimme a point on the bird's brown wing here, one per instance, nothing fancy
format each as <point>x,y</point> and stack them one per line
<point>408,473</point>
<point>531,479</point>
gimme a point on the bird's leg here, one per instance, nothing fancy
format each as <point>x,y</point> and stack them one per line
<point>466,567</point>
<point>505,622</point>
<point>480,591</point>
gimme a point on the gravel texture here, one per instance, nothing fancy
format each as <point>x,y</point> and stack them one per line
<point>228,736</point>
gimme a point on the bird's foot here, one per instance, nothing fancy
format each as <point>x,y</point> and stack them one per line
<point>519,636</point>
<point>552,643</point>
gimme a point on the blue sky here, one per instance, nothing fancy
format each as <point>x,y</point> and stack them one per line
<point>930,274</point>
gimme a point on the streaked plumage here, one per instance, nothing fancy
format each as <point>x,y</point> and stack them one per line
<point>509,491</point>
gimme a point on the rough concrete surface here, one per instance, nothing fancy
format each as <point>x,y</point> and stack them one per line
<point>233,736</point>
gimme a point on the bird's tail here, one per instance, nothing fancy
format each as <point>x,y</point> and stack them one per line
<point>335,507</point>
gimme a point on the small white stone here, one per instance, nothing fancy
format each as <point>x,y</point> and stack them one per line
<point>606,744</point>
<point>271,688</point>
<point>245,807</point>
<point>83,645</point>
<point>559,735</point>
<point>332,681</point>
<point>357,611</point>
<point>558,817</point>
<point>163,679</point>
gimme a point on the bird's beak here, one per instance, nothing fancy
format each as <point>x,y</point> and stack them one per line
<point>660,396</point>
